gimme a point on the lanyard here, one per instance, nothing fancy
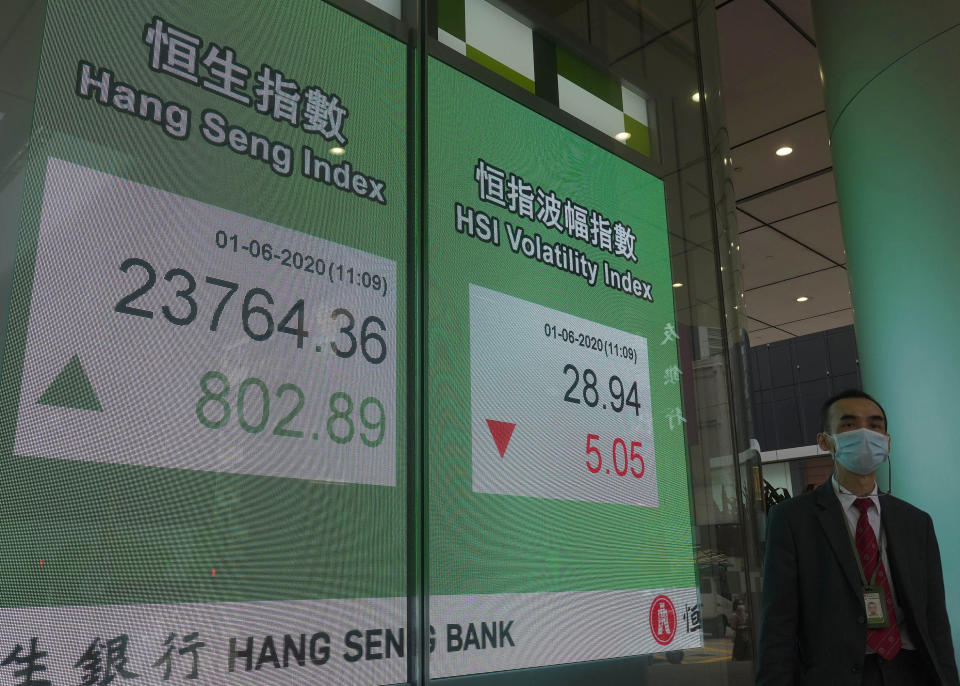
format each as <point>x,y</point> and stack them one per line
<point>856,553</point>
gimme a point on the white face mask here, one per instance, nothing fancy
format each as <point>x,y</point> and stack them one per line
<point>861,451</point>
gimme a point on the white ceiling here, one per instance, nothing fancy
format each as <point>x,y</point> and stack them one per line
<point>790,238</point>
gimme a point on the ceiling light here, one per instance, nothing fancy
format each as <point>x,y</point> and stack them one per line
<point>695,97</point>
<point>2,115</point>
<point>337,151</point>
<point>784,151</point>
<point>678,285</point>
<point>623,136</point>
<point>802,299</point>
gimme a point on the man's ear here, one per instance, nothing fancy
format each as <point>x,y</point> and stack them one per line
<point>824,443</point>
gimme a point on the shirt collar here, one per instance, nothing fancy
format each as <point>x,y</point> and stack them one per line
<point>847,498</point>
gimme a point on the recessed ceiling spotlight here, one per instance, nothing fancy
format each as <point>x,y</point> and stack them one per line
<point>337,151</point>
<point>784,151</point>
<point>695,97</point>
<point>623,136</point>
<point>802,299</point>
<point>2,115</point>
<point>678,285</point>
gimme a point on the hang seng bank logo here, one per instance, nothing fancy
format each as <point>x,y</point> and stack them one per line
<point>663,620</point>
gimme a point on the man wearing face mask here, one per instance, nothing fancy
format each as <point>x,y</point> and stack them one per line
<point>852,583</point>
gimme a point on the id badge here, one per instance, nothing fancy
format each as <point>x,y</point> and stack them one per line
<point>875,605</point>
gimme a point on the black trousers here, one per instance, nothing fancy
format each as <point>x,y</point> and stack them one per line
<point>908,668</point>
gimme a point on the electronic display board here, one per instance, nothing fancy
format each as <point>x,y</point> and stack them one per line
<point>203,474</point>
<point>559,509</point>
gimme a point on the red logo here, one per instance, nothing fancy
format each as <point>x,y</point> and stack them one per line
<point>663,620</point>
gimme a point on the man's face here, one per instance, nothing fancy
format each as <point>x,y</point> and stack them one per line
<point>849,414</point>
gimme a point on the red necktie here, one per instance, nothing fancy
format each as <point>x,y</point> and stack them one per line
<point>884,642</point>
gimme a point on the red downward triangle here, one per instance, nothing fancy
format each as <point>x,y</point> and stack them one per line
<point>501,432</point>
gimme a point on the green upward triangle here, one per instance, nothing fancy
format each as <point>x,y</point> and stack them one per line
<point>71,388</point>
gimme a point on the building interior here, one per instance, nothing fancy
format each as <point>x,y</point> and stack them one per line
<point>696,137</point>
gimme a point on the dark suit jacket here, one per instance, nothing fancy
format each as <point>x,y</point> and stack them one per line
<point>813,624</point>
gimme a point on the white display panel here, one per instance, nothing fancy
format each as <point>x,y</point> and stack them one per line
<point>332,641</point>
<point>515,630</point>
<point>167,332</point>
<point>560,405</point>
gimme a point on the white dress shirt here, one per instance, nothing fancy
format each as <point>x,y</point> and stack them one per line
<point>847,500</point>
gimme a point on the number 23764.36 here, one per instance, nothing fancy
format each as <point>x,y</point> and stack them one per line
<point>255,317</point>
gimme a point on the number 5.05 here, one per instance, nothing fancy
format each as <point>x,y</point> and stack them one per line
<point>631,461</point>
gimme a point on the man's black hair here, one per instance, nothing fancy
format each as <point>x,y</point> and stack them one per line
<point>843,395</point>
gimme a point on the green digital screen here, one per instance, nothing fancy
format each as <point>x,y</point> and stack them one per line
<point>559,511</point>
<point>204,388</point>
<point>203,472</point>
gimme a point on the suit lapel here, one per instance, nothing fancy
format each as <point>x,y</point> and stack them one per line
<point>834,527</point>
<point>899,542</point>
